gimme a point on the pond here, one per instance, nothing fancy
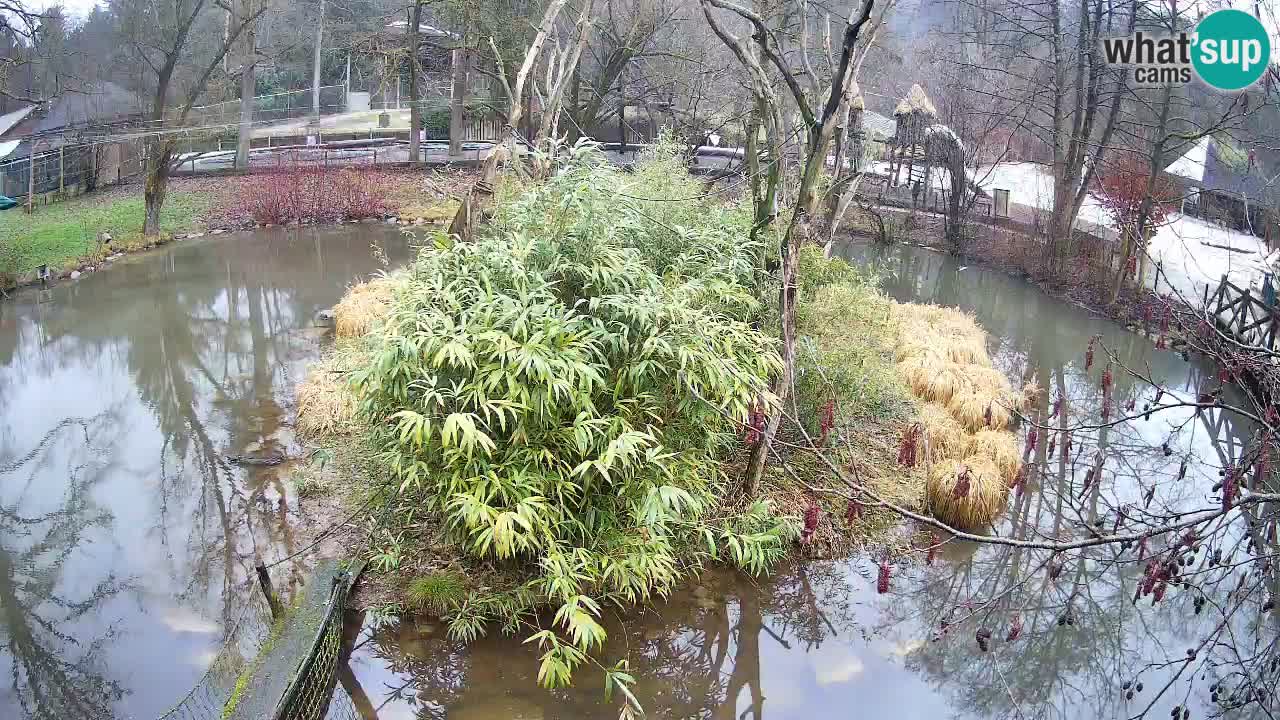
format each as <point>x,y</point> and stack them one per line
<point>126,536</point>
<point>125,533</point>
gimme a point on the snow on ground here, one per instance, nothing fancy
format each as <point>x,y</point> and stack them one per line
<point>1179,247</point>
<point>939,177</point>
<point>1190,265</point>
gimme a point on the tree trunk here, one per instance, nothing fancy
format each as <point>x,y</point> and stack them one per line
<point>457,100</point>
<point>315,64</point>
<point>1137,236</point>
<point>415,111</point>
<point>248,89</point>
<point>157,184</point>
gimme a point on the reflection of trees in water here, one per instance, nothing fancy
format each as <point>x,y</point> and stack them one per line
<point>56,671</point>
<point>697,656</point>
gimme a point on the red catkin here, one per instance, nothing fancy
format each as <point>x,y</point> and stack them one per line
<point>852,511</point>
<point>1230,487</point>
<point>827,419</point>
<point>1015,629</point>
<point>882,578</point>
<point>961,488</point>
<point>1032,438</point>
<point>1088,353</point>
<point>811,516</point>
<point>908,447</point>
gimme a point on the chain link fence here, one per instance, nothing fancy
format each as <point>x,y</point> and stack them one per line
<point>278,106</point>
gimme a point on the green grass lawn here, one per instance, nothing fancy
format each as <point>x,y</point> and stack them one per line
<point>62,233</point>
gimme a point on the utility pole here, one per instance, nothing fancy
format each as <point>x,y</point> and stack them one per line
<point>315,72</point>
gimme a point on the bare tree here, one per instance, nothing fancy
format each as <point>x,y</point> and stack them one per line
<point>562,64</point>
<point>479,198</point>
<point>18,27</point>
<point>819,125</point>
<point>176,42</point>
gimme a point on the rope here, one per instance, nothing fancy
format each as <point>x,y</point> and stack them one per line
<point>326,532</point>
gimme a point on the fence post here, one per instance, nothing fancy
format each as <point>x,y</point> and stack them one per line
<point>31,177</point>
<point>264,581</point>
<point>1244,313</point>
<point>62,170</point>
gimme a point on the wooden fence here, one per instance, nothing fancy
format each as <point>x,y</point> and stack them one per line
<point>1249,318</point>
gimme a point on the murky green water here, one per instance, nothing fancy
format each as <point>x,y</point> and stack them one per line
<point>125,535</point>
<point>817,641</point>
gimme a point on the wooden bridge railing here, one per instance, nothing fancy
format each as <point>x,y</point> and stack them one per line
<point>1246,316</point>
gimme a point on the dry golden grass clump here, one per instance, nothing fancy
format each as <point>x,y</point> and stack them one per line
<point>966,493</point>
<point>325,404</point>
<point>1001,448</point>
<point>364,306</point>
<point>942,356</point>
<point>976,410</point>
<point>943,436</point>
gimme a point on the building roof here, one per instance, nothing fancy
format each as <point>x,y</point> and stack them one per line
<point>57,119</point>
<point>1216,165</point>
<point>7,121</point>
<point>878,125</point>
<point>916,101</point>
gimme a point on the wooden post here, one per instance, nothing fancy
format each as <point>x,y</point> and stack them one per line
<point>31,177</point>
<point>264,582</point>
<point>62,170</point>
<point>1244,314</point>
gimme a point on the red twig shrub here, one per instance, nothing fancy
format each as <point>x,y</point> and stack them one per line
<point>1122,188</point>
<point>297,193</point>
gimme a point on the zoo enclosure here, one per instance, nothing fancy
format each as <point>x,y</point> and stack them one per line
<point>68,170</point>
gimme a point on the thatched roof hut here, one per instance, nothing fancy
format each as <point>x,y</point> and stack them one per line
<point>915,103</point>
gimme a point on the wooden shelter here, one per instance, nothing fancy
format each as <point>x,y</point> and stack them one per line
<point>913,115</point>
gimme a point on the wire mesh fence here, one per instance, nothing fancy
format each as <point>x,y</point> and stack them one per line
<point>62,170</point>
<point>274,107</point>
<point>310,691</point>
<point>243,640</point>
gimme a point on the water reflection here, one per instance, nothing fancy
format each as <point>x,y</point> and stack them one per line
<point>124,532</point>
<point>1062,634</point>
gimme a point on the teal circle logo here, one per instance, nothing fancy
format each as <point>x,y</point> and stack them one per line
<point>1232,49</point>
